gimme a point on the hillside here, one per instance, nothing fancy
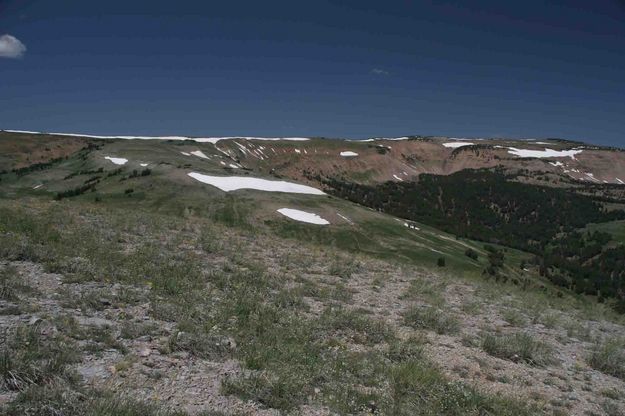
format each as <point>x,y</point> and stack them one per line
<point>222,276</point>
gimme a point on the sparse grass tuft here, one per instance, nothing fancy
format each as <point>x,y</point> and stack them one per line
<point>427,317</point>
<point>613,394</point>
<point>519,347</point>
<point>343,267</point>
<point>418,388</point>
<point>11,285</point>
<point>426,291</point>
<point>514,317</point>
<point>114,406</point>
<point>609,357</point>
<point>201,344</point>
<point>357,326</point>
<point>29,358</point>
<point>56,398</point>
<point>134,330</point>
<point>411,349</point>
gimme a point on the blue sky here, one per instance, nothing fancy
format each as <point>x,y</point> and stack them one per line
<point>325,68</point>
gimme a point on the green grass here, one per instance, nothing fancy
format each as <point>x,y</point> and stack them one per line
<point>609,357</point>
<point>29,358</point>
<point>200,344</point>
<point>615,228</point>
<point>427,317</point>
<point>12,285</point>
<point>330,354</point>
<point>60,400</point>
<point>417,388</point>
<point>519,347</point>
<point>514,317</point>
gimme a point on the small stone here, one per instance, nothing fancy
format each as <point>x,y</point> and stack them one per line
<point>104,301</point>
<point>144,352</point>
<point>34,320</point>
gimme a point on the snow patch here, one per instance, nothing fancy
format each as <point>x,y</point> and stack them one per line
<point>398,178</point>
<point>38,186</point>
<point>232,183</point>
<point>591,176</point>
<point>543,153</point>
<point>186,154</point>
<point>379,138</point>
<point>303,216</point>
<point>556,164</point>
<point>455,145</point>
<point>117,160</point>
<point>199,153</point>
<point>349,153</point>
<point>620,181</point>
<point>143,164</point>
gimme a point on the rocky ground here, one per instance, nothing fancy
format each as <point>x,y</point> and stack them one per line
<point>134,341</point>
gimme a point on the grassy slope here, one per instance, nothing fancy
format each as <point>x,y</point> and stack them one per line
<point>168,189</point>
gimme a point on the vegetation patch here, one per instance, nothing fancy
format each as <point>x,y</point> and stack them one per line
<point>609,357</point>
<point>519,347</point>
<point>27,357</point>
<point>427,317</point>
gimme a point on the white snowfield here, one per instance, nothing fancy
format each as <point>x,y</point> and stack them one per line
<point>544,153</point>
<point>303,216</point>
<point>233,183</point>
<point>117,160</point>
<point>349,153</point>
<point>199,153</point>
<point>455,145</point>
<point>198,139</point>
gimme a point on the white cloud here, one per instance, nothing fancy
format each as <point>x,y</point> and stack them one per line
<point>11,47</point>
<point>378,71</point>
